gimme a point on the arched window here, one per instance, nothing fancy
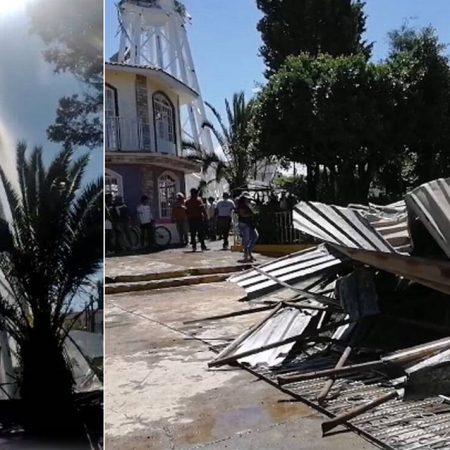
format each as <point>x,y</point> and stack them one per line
<point>164,121</point>
<point>167,188</point>
<point>113,183</point>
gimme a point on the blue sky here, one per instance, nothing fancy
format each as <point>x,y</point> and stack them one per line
<point>225,42</point>
<point>29,93</point>
<point>29,90</point>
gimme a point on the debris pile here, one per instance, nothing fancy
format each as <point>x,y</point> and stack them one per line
<point>358,326</point>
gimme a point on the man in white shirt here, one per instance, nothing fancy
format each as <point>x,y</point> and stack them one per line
<point>145,218</point>
<point>224,212</point>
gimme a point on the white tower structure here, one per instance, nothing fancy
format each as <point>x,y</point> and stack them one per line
<point>153,33</point>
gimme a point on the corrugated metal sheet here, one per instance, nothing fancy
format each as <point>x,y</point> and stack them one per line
<point>390,221</point>
<point>286,323</point>
<point>302,269</point>
<point>337,225</point>
<point>431,203</point>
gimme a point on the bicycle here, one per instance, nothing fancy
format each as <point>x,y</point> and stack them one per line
<point>163,236</point>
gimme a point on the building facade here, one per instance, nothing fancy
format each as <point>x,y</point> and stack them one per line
<point>144,137</point>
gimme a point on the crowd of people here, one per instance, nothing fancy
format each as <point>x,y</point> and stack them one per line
<point>213,220</point>
<point>194,217</point>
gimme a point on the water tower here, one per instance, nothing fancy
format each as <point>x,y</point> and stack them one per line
<point>153,33</point>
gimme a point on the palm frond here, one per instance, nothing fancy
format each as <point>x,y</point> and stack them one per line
<point>225,131</point>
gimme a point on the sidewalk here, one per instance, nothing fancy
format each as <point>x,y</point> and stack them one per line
<point>174,260</point>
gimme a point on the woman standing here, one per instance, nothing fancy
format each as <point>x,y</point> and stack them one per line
<point>247,226</point>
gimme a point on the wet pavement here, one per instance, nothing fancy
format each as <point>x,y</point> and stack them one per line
<point>160,393</point>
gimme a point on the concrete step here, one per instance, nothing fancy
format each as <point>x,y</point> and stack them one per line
<point>135,286</point>
<point>166,275</point>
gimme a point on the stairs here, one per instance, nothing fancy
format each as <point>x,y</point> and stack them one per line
<point>188,277</point>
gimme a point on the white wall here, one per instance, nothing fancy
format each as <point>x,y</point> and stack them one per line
<point>125,84</point>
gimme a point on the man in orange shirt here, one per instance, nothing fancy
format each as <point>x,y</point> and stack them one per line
<point>180,218</point>
<point>196,214</point>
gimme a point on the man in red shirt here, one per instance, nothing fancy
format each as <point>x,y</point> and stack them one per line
<point>196,214</point>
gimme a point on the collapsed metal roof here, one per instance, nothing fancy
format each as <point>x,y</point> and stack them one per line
<point>390,221</point>
<point>431,203</point>
<point>375,236</point>
<point>301,269</point>
<point>338,225</point>
<point>285,323</point>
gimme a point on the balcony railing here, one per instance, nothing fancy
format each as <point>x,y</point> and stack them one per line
<point>127,134</point>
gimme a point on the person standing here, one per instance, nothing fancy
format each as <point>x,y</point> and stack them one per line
<point>224,212</point>
<point>196,214</point>
<point>146,222</point>
<point>108,224</point>
<point>180,218</point>
<point>247,226</point>
<point>211,213</point>
<point>283,202</point>
<point>122,224</point>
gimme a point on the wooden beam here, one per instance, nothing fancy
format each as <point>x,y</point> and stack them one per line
<point>334,372</point>
<point>328,425</point>
<point>329,384</point>
<point>232,314</point>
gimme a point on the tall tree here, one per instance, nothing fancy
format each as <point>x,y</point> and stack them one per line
<point>238,160</point>
<point>333,116</point>
<point>56,245</point>
<point>420,64</point>
<point>291,27</point>
<point>73,34</point>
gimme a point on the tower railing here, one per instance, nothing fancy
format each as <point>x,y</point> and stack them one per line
<point>127,134</point>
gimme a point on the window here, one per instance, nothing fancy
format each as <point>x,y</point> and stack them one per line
<point>164,118</point>
<point>112,123</point>
<point>167,184</point>
<point>113,183</point>
<point>110,102</point>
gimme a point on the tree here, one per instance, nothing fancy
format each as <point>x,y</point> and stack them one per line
<point>56,232</point>
<point>239,161</point>
<point>332,115</point>
<point>419,63</point>
<point>73,34</point>
<point>292,27</point>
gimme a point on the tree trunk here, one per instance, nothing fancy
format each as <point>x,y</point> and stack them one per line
<point>364,180</point>
<point>47,389</point>
<point>333,183</point>
<point>311,180</point>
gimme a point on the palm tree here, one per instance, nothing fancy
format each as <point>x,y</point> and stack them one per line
<point>56,232</point>
<point>237,163</point>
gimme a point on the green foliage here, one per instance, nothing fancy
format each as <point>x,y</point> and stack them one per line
<point>294,185</point>
<point>329,114</point>
<point>292,27</point>
<point>57,245</point>
<point>358,125</point>
<point>57,234</point>
<point>238,163</point>
<point>73,34</point>
<point>419,64</point>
